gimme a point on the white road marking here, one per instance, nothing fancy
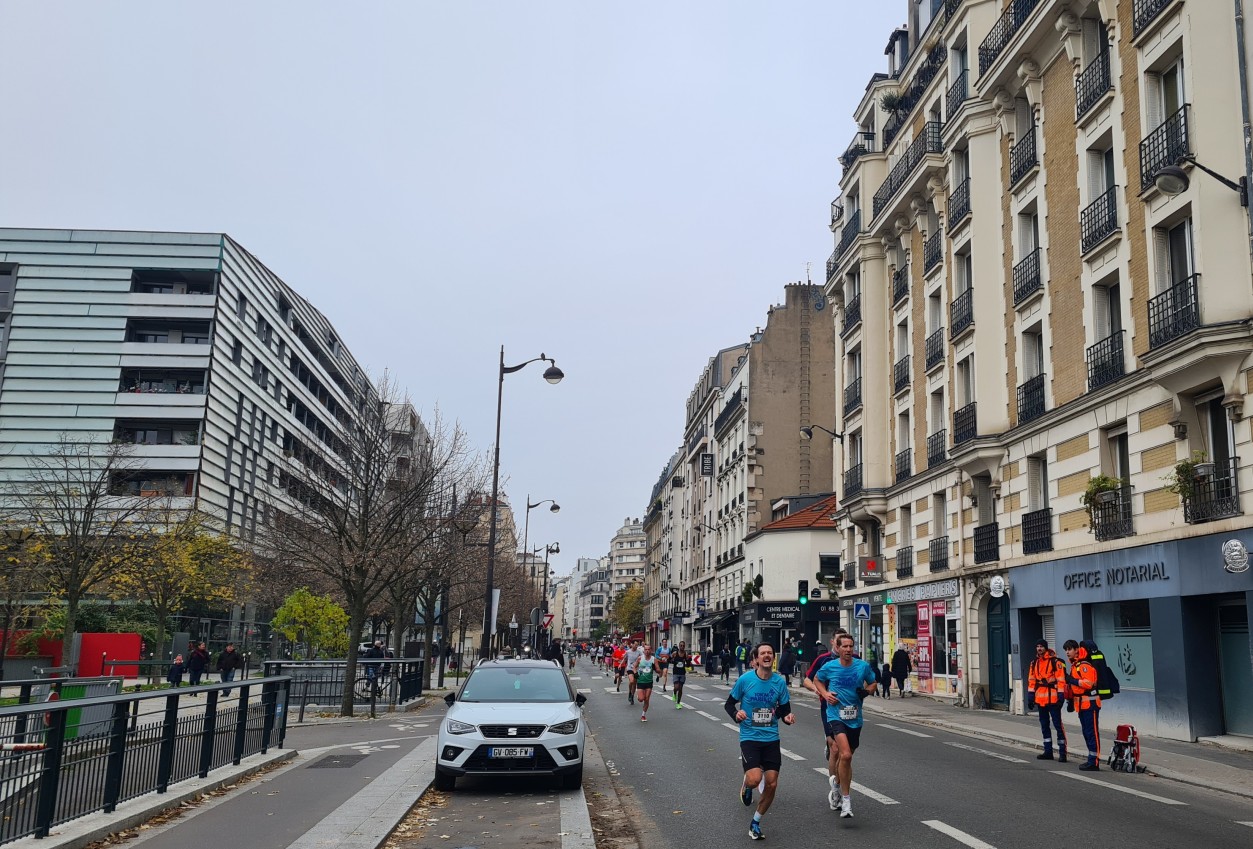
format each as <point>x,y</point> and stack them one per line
<point>791,755</point>
<point>958,835</point>
<point>806,705</point>
<point>585,689</point>
<point>707,715</point>
<point>611,689</point>
<point>862,789</point>
<point>903,730</point>
<point>735,728</point>
<point>1161,799</point>
<point>996,755</point>
<point>1249,824</point>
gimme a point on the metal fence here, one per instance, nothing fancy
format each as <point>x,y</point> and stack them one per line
<point>378,682</point>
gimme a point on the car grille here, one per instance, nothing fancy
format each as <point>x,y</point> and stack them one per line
<point>480,762</point>
<point>522,731</point>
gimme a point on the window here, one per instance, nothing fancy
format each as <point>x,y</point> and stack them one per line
<point>964,272</point>
<point>1116,455</point>
<point>1028,232</point>
<point>939,515</point>
<point>1101,173</point>
<point>1165,95</point>
<point>1107,309</point>
<point>241,307</point>
<point>964,391</point>
<point>1172,253</point>
<point>196,336</point>
<point>935,313</point>
<point>1032,353</point>
<point>937,413</point>
<point>904,433</point>
<point>237,352</point>
<point>1217,431</point>
<point>1123,631</point>
<point>854,366</point>
<point>907,621</point>
<point>1095,39</point>
<point>1037,483</point>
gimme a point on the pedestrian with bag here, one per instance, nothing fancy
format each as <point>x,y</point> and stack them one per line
<point>197,664</point>
<point>1046,681</point>
<point>1082,696</point>
<point>901,667</point>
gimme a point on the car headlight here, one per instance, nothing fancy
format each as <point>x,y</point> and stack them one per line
<point>456,727</point>
<point>565,727</point>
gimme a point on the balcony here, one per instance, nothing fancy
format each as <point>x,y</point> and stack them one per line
<point>1031,399</point>
<point>837,213</point>
<point>1092,83</point>
<point>1166,145</point>
<point>1037,531</point>
<point>1027,279</point>
<point>848,235</point>
<point>1214,497</point>
<point>861,144</point>
<point>937,551</point>
<point>935,349</point>
<point>912,94</point>
<point>961,313</point>
<point>933,250</point>
<point>959,204</point>
<point>1112,519</point>
<point>833,262</point>
<point>987,543</point>
<point>1105,363</point>
<point>928,141</point>
<point>904,465</point>
<point>1023,157</point>
<point>900,284</point>
<point>850,579</point>
<point>1003,32</point>
<point>900,374</point>
<point>852,397</point>
<point>1174,313</point>
<point>1144,12</point>
<point>937,447</point>
<point>1099,220</point>
<point>957,95</point>
<point>965,424</point>
<point>852,314</point>
<point>852,481</point>
<point>905,562</point>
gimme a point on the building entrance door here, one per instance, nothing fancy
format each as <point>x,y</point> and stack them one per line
<point>998,652</point>
<point>1237,676</point>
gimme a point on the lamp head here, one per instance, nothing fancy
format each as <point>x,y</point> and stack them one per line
<point>556,508</point>
<point>555,548</point>
<point>553,374</point>
<point>1171,180</point>
<point>807,432</point>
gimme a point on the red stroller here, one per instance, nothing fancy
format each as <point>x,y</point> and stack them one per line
<point>1125,756</point>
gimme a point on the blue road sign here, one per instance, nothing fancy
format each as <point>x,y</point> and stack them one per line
<point>861,610</point>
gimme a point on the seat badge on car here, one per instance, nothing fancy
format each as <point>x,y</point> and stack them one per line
<point>513,732</point>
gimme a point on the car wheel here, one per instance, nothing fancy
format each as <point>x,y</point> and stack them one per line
<point>573,780</point>
<point>445,781</point>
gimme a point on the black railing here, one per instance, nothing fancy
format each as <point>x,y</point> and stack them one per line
<point>1144,11</point>
<point>862,144</point>
<point>729,412</point>
<point>1003,32</point>
<point>937,554</point>
<point>849,234</point>
<point>1111,514</point>
<point>900,284</point>
<point>935,348</point>
<point>1023,156</point>
<point>850,578</point>
<point>905,562</point>
<point>937,447</point>
<point>1031,399</point>
<point>837,211</point>
<point>957,94</point>
<point>852,397</point>
<point>959,204</point>
<point>965,424</point>
<point>1099,220</point>
<point>852,481</point>
<point>961,313</point>
<point>832,262</point>
<point>928,141</point>
<point>1213,497</point>
<point>1092,83</point>
<point>1174,313</point>
<point>1037,531</point>
<point>987,542</point>
<point>1166,145</point>
<point>900,374</point>
<point>912,93</point>
<point>1027,279</point>
<point>904,465</point>
<point>933,250</point>
<point>852,314</point>
<point>1105,363</point>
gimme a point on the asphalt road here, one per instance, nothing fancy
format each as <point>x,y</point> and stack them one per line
<point>679,776</point>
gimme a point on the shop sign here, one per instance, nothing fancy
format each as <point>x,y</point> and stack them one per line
<point>1115,576</point>
<point>876,600</point>
<point>922,592</point>
<point>924,640</point>
<point>1235,556</point>
<point>771,612</point>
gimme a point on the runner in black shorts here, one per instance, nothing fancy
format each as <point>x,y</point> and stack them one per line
<point>681,661</point>
<point>757,702</point>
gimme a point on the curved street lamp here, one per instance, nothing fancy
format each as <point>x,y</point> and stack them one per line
<point>1173,180</point>
<point>553,375</point>
<point>807,432</point>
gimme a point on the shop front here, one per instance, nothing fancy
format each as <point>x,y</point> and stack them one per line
<point>772,622</point>
<point>1171,618</point>
<point>923,619</point>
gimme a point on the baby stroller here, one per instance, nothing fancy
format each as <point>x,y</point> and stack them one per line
<point>1125,756</point>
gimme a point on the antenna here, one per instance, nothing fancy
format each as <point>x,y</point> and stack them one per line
<point>807,280</point>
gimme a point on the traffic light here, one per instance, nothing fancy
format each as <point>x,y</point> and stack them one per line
<point>800,649</point>
<point>802,592</point>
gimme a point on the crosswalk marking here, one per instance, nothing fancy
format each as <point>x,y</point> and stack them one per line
<point>611,689</point>
<point>862,789</point>
<point>1161,799</point>
<point>909,731</point>
<point>996,755</point>
<point>1249,824</point>
<point>707,715</point>
<point>585,689</point>
<point>791,755</point>
<point>958,835</point>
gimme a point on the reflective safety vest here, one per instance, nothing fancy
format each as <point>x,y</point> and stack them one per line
<point>1047,680</point>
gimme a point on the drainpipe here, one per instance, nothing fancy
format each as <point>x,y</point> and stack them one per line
<point>1243,64</point>
<point>962,583</point>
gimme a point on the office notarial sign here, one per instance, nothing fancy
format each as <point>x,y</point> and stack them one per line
<point>1115,576</point>
<point>707,465</point>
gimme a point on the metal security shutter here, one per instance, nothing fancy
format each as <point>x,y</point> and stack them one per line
<point>1046,622</point>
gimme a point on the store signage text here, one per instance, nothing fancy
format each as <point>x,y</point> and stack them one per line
<point>1115,576</point>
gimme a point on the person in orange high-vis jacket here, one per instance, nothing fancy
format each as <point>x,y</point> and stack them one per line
<point>1046,680</point>
<point>1081,691</point>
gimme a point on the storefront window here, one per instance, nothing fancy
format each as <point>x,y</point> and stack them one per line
<point>907,619</point>
<point>939,648</point>
<point>1122,631</point>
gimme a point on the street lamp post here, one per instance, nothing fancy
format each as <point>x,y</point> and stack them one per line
<point>553,375</point>
<point>526,529</point>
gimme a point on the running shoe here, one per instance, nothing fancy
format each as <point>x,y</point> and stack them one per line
<point>643,717</point>
<point>846,807</point>
<point>754,830</point>
<point>746,795</point>
<point>833,798</point>
<point>678,706</point>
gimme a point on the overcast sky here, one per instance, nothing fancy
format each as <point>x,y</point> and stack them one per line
<point>625,187</point>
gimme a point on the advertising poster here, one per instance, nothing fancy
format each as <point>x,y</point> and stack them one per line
<point>890,636</point>
<point>924,644</point>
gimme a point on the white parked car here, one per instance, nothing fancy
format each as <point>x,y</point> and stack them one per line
<point>512,717</point>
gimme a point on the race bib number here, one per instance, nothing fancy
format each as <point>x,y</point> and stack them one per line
<point>848,712</point>
<point>763,716</point>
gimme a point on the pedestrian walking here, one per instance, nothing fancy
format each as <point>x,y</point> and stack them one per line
<point>1046,681</point>
<point>787,662</point>
<point>901,667</point>
<point>197,664</point>
<point>724,664</point>
<point>885,676</point>
<point>757,702</point>
<point>843,685</point>
<point>175,673</point>
<point>1083,697</point>
<point>741,657</point>
<point>229,662</point>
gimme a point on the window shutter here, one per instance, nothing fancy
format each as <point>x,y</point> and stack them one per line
<point>1152,102</point>
<point>1091,39</point>
<point>1033,484</point>
<point>1161,260</point>
<point>1100,312</point>
<point>1096,175</point>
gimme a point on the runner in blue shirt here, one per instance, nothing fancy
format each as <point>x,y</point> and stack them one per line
<point>663,662</point>
<point>758,700</point>
<point>843,684</point>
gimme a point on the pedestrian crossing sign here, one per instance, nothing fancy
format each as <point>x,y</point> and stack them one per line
<point>861,610</point>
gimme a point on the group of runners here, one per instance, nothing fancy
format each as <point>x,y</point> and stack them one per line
<point>643,669</point>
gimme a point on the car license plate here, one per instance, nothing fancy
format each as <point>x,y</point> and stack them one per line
<point>511,752</point>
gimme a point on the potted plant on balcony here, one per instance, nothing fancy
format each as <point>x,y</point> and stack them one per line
<point>1102,489</point>
<point>1183,480</point>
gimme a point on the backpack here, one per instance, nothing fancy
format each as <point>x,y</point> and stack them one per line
<point>1107,685</point>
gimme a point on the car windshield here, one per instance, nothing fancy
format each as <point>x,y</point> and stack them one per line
<point>516,684</point>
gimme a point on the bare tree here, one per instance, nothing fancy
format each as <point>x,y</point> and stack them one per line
<point>21,580</point>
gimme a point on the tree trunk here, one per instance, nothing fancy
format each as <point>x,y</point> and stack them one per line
<point>71,622</point>
<point>356,620</point>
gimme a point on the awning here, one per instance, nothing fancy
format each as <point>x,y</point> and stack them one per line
<point>715,620</point>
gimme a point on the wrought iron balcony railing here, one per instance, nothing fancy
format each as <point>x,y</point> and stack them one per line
<point>1037,531</point>
<point>928,141</point>
<point>1105,363</point>
<point>1027,279</point>
<point>905,562</point>
<point>1144,11</point>
<point>1175,312</point>
<point>832,262</point>
<point>937,551</point>
<point>1003,32</point>
<point>904,465</point>
<point>935,348</point>
<point>933,250</point>
<point>1023,156</point>
<point>965,424</point>
<point>1099,220</point>
<point>837,211</point>
<point>1166,145</point>
<point>1092,83</point>
<point>959,204</point>
<point>1111,519</point>
<point>852,397</point>
<point>961,313</point>
<point>1031,399</point>
<point>1213,497</point>
<point>852,481</point>
<point>852,314</point>
<point>900,374</point>
<point>900,284</point>
<point>937,447</point>
<point>849,234</point>
<point>987,542</point>
<point>957,94</point>
<point>861,144</point>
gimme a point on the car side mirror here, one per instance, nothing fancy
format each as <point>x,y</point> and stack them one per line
<point>449,698</point>
<point>579,699</point>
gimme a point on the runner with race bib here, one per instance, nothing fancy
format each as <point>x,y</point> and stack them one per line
<point>843,684</point>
